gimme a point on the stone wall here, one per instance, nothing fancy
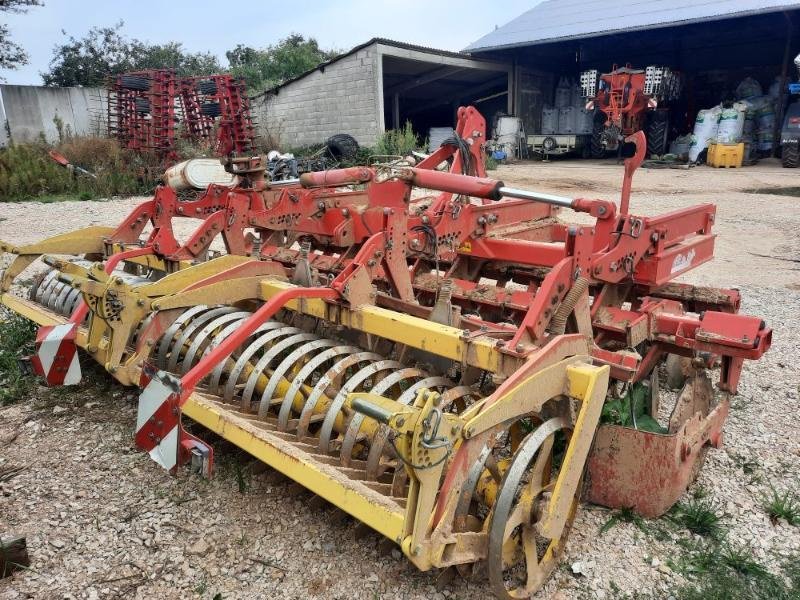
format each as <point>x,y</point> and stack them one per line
<point>342,98</point>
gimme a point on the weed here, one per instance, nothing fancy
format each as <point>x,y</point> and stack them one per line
<point>624,515</point>
<point>698,516</point>
<point>782,506</point>
<point>725,572</point>
<point>231,466</point>
<point>699,492</point>
<point>28,173</point>
<point>398,142</point>
<point>490,163</point>
<point>778,191</point>
<point>241,481</point>
<point>16,341</point>
<point>201,588</point>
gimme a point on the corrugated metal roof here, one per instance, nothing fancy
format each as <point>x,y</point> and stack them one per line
<point>558,20</point>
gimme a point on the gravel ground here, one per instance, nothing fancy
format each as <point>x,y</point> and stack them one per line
<point>103,521</point>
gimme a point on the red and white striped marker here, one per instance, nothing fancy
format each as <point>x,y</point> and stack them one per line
<point>56,356</point>
<point>158,426</point>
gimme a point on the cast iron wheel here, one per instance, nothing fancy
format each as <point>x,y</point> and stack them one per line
<point>597,149</point>
<point>520,558</point>
<point>657,131</point>
<point>790,155</point>
<point>134,82</point>
<point>210,109</point>
<point>342,146</point>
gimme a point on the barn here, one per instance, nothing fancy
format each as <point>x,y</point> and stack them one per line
<point>715,45</point>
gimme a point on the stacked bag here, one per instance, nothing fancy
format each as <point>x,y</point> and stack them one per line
<point>569,115</point>
<point>706,127</point>
<point>750,120</point>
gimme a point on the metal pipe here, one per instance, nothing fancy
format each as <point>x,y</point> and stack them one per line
<point>283,183</point>
<point>510,192</point>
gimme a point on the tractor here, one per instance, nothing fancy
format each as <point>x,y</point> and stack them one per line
<point>628,100</point>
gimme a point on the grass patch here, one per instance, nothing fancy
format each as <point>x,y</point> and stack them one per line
<point>16,341</point>
<point>624,515</point>
<point>698,516</point>
<point>490,162</point>
<point>784,506</point>
<point>775,191</point>
<point>721,571</point>
<point>28,173</point>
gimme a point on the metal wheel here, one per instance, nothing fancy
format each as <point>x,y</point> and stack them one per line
<point>210,109</point>
<point>134,82</point>
<point>520,558</point>
<point>790,155</point>
<point>207,87</point>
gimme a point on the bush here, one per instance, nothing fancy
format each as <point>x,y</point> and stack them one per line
<point>398,142</point>
<point>27,172</point>
<point>16,341</point>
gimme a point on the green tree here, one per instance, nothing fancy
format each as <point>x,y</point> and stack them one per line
<point>106,51</point>
<point>277,63</point>
<point>12,55</point>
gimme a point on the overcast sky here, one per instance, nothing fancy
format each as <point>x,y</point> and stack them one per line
<point>217,26</point>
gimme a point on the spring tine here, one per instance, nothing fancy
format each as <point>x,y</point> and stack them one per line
<point>201,337</point>
<point>247,354</point>
<point>169,334</point>
<point>336,371</point>
<point>189,330</point>
<point>72,301</point>
<point>380,388</point>
<point>216,374</point>
<point>450,396</point>
<point>43,285</point>
<point>55,292</point>
<point>471,483</point>
<point>265,361</point>
<point>281,370</point>
<point>350,386</point>
<point>58,305</point>
<point>308,369</point>
<point>48,291</point>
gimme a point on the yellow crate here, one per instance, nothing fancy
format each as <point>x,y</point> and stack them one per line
<point>723,155</point>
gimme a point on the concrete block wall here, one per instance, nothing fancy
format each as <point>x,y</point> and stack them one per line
<point>31,110</point>
<point>341,99</point>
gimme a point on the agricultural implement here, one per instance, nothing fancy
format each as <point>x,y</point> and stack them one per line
<point>630,100</point>
<point>431,351</point>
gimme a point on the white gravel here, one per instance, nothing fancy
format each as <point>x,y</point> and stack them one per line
<point>103,521</point>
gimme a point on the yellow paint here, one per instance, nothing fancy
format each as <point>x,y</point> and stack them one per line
<point>383,519</point>
<point>302,469</point>
<point>465,247</point>
<point>438,339</point>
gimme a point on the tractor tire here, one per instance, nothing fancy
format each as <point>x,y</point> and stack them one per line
<point>657,132</point>
<point>790,155</point>
<point>134,82</point>
<point>597,149</point>
<point>142,106</point>
<point>207,88</point>
<point>342,147</point>
<point>210,109</point>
